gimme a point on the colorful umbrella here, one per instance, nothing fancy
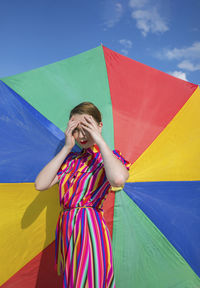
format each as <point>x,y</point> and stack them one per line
<point>153,119</point>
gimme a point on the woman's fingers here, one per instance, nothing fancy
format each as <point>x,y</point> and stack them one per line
<point>85,126</point>
<point>83,130</point>
<point>89,124</point>
<point>86,120</point>
<point>72,123</point>
<point>90,120</point>
<point>71,126</point>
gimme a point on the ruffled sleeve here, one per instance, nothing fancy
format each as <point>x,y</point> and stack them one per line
<point>118,154</point>
<point>125,162</point>
<point>65,165</point>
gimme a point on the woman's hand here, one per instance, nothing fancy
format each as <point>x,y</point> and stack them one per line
<point>90,125</point>
<point>69,138</point>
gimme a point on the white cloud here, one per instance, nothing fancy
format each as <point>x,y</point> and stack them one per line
<point>113,13</point>
<point>124,51</point>
<point>179,74</point>
<point>137,3</point>
<point>147,17</point>
<point>149,21</point>
<point>189,57</point>
<point>188,65</point>
<point>126,43</point>
<point>192,52</point>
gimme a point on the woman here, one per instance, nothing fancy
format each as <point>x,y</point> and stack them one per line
<point>83,244</point>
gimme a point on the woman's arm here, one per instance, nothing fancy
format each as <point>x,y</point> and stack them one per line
<point>116,172</point>
<point>48,173</point>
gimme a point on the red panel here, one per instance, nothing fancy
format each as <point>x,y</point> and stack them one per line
<point>108,207</point>
<point>39,272</point>
<point>144,101</point>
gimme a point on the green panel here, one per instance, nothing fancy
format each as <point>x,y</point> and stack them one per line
<point>143,257</point>
<point>56,88</point>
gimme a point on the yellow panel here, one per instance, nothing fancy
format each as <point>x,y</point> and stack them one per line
<point>28,223</point>
<point>175,154</point>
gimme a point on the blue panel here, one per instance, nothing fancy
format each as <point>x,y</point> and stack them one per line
<point>174,207</point>
<point>28,140</point>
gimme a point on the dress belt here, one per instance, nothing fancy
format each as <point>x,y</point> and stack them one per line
<point>69,208</point>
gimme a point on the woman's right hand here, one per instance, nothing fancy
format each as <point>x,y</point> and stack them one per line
<point>69,138</point>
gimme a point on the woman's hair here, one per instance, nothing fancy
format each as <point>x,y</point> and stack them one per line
<point>87,108</point>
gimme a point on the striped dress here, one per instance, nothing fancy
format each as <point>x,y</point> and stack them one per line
<point>83,251</point>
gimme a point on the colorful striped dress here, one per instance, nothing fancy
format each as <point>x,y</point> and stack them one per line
<point>83,250</point>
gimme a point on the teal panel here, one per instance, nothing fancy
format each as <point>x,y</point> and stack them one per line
<point>143,257</point>
<point>55,89</point>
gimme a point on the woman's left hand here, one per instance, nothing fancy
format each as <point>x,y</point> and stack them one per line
<point>90,125</point>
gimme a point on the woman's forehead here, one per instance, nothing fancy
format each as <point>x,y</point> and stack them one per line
<point>78,116</point>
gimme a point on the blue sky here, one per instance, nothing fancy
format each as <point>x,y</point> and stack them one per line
<point>162,34</point>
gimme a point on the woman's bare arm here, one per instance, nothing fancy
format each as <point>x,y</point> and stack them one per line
<point>48,175</point>
<point>116,172</point>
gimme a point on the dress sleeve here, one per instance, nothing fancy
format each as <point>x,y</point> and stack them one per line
<point>125,162</point>
<point>118,154</point>
<point>64,166</point>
